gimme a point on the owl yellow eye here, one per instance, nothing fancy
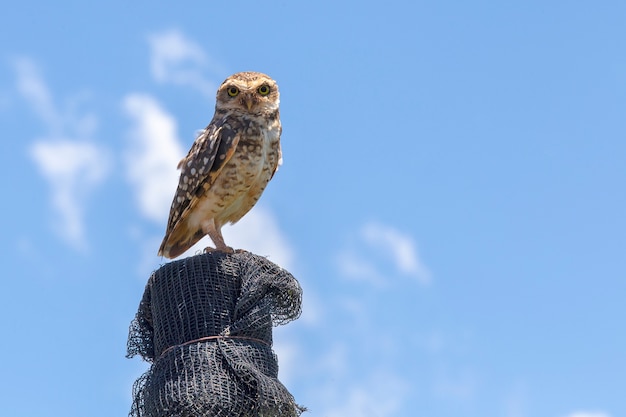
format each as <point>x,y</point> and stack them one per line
<point>232,91</point>
<point>264,90</point>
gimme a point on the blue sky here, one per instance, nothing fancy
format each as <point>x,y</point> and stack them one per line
<point>452,197</point>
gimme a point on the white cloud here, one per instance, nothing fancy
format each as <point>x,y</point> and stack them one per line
<point>337,383</point>
<point>399,249</point>
<point>588,414</point>
<point>60,121</point>
<point>73,169</point>
<point>259,232</point>
<point>152,156</point>
<point>178,60</point>
<point>313,309</point>
<point>287,352</point>
<point>354,266</point>
<point>33,89</point>
<point>381,395</point>
<point>147,261</point>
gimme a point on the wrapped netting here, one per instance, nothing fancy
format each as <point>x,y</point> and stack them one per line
<point>205,324</point>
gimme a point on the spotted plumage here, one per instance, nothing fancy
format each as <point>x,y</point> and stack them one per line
<point>228,166</point>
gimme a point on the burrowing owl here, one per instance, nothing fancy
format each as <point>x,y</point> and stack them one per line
<point>229,164</point>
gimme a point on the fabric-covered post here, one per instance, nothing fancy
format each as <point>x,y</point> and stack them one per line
<point>205,324</point>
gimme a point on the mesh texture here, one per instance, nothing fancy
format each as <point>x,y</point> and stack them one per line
<point>230,302</point>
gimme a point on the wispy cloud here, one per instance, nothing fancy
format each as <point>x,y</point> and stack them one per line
<point>71,163</point>
<point>398,246</point>
<point>381,394</point>
<point>354,266</point>
<point>259,232</point>
<point>73,169</point>
<point>287,350</point>
<point>152,155</point>
<point>178,60</point>
<point>33,89</point>
<point>589,414</point>
<point>385,244</point>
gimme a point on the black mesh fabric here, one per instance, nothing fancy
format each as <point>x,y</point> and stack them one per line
<point>205,324</point>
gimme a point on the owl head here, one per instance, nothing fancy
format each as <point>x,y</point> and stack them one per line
<point>248,92</point>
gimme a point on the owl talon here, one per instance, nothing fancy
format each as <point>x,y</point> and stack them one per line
<point>225,249</point>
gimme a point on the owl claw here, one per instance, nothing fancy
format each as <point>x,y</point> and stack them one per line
<point>225,249</point>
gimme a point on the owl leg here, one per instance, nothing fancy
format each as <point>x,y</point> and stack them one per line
<point>215,233</point>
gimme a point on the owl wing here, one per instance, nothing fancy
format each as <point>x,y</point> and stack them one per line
<point>208,155</point>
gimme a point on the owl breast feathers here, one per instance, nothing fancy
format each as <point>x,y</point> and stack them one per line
<point>229,164</point>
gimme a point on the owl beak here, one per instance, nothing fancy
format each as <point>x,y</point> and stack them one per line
<point>249,102</point>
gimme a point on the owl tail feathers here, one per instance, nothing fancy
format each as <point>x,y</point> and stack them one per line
<point>176,242</point>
